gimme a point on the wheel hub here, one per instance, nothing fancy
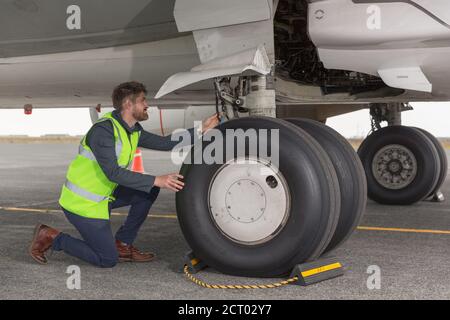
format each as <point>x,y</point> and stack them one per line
<point>394,167</point>
<point>249,201</point>
<point>251,197</point>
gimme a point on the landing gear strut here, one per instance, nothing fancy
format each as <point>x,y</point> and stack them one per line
<point>389,112</point>
<point>254,95</point>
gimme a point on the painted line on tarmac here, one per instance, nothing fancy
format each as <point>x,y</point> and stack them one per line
<point>404,230</point>
<point>174,216</point>
<point>52,211</point>
<point>30,210</point>
<point>164,216</point>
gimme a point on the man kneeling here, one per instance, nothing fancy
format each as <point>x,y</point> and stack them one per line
<point>98,180</point>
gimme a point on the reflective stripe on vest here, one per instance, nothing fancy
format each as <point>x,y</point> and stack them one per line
<point>83,193</point>
<point>89,155</point>
<point>119,142</point>
<point>118,148</point>
<point>86,153</point>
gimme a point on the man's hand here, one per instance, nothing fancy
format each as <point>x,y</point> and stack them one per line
<point>170,181</point>
<point>210,122</point>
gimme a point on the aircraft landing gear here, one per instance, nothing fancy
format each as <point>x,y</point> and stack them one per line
<point>249,215</point>
<point>350,173</point>
<point>436,195</point>
<point>403,165</point>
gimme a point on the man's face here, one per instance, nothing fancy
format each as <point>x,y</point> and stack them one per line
<point>139,108</point>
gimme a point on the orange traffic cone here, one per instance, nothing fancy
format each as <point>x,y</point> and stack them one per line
<point>137,165</point>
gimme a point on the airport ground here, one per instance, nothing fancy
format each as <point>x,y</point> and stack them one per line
<point>410,244</point>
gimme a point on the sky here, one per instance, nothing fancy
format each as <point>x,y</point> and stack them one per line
<point>431,116</point>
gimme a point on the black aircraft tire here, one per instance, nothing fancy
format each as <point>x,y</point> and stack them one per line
<point>443,161</point>
<point>427,167</point>
<point>313,215</point>
<point>350,173</point>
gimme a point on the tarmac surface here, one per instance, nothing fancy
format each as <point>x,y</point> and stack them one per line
<point>413,257</point>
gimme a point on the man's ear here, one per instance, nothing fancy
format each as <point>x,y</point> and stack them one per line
<point>126,105</point>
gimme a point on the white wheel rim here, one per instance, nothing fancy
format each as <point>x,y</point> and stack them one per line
<point>394,167</point>
<point>249,201</point>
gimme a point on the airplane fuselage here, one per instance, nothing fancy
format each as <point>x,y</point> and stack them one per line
<point>54,56</point>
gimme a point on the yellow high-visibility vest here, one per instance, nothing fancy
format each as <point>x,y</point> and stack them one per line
<point>87,191</point>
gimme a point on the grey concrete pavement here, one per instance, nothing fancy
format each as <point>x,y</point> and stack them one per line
<point>413,265</point>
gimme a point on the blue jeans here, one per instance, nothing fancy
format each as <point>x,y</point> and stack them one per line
<point>98,246</point>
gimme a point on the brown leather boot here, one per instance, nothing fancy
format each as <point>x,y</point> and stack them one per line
<point>42,241</point>
<point>128,253</point>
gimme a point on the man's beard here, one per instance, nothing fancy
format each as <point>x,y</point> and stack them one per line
<point>140,116</point>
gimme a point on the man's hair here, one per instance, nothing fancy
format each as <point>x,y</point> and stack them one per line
<point>127,90</point>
